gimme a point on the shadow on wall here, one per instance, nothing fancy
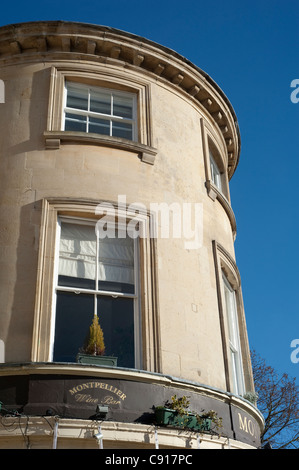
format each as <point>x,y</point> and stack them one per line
<point>19,336</point>
<point>30,99</point>
<point>35,96</point>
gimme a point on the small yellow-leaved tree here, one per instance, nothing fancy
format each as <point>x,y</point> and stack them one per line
<point>95,345</point>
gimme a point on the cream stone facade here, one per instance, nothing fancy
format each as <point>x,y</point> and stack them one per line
<point>165,153</point>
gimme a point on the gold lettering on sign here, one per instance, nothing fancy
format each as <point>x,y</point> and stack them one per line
<point>247,425</point>
<point>87,398</point>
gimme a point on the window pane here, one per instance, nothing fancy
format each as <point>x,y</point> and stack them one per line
<point>99,126</point>
<point>77,256</point>
<point>116,317</point>
<point>74,122</point>
<point>116,264</point>
<point>230,301</point>
<point>80,253</point>
<point>74,314</point>
<point>234,371</point>
<point>215,172</point>
<point>123,130</point>
<point>77,98</point>
<point>100,102</point>
<point>87,103</point>
<point>234,340</point>
<point>123,106</point>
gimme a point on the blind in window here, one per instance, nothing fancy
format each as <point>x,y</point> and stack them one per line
<point>83,255</point>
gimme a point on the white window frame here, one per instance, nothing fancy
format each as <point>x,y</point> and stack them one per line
<point>96,292</point>
<point>233,337</point>
<point>215,173</point>
<point>108,117</point>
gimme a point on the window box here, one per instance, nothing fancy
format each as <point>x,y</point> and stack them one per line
<point>168,417</point>
<point>110,361</point>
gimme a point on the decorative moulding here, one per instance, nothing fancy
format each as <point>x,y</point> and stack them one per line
<point>214,194</point>
<point>57,40</point>
<point>54,139</point>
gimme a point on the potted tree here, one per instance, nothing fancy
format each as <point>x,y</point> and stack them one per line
<point>93,352</point>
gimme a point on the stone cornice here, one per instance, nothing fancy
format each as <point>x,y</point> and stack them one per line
<point>57,40</point>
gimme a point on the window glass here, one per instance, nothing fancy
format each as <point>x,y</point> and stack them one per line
<point>77,256</point>
<point>74,314</point>
<point>100,111</point>
<point>215,173</point>
<point>96,275</point>
<point>77,98</point>
<point>99,126</point>
<point>100,102</point>
<point>116,317</point>
<point>121,129</point>
<point>122,106</point>
<point>116,264</point>
<point>75,122</point>
<point>234,338</point>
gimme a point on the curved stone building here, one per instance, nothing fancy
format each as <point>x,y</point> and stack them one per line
<point>116,156</point>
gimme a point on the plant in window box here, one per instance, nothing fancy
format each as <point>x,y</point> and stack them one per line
<point>176,413</point>
<point>252,397</point>
<point>94,351</point>
<point>210,417</point>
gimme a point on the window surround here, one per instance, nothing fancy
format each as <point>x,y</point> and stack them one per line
<point>225,266</point>
<point>107,78</point>
<point>215,146</point>
<point>52,209</point>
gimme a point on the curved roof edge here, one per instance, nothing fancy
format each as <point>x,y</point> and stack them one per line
<point>16,39</point>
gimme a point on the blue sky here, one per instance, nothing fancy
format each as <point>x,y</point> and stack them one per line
<point>251,49</point>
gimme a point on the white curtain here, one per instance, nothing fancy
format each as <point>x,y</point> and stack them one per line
<point>78,252</point>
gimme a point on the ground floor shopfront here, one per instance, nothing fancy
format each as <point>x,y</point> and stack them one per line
<point>62,406</point>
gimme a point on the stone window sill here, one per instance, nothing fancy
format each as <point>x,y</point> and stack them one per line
<point>214,194</point>
<point>54,139</point>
